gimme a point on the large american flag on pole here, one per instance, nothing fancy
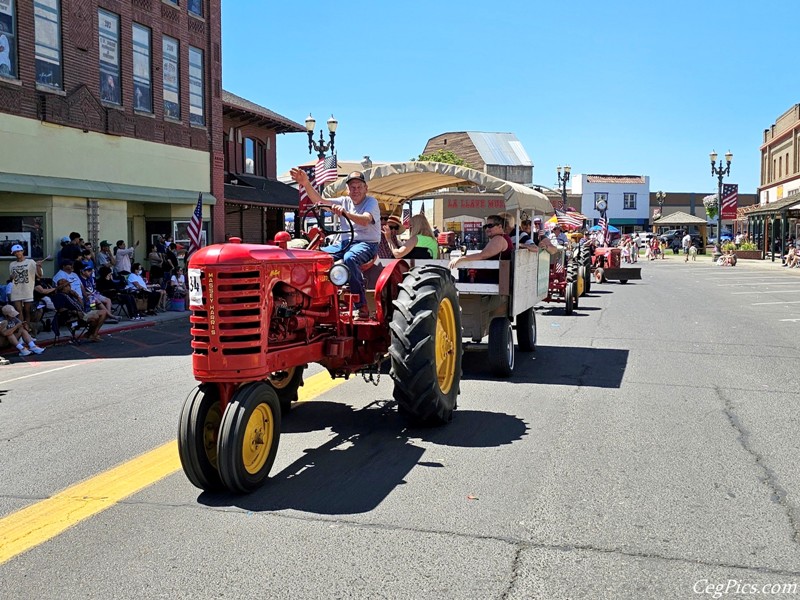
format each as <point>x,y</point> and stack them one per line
<point>325,170</point>
<point>730,200</point>
<point>196,226</point>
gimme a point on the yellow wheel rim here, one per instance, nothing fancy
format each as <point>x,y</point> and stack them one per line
<point>257,439</point>
<point>281,379</point>
<point>446,346</point>
<point>211,432</point>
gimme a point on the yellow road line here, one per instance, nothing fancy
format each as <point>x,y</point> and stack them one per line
<point>35,524</point>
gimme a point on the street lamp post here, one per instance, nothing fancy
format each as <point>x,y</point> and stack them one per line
<point>321,147</point>
<point>602,207</point>
<point>720,172</point>
<point>660,198</point>
<point>562,184</point>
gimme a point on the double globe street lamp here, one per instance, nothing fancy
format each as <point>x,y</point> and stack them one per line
<point>320,146</point>
<point>660,198</point>
<point>720,172</point>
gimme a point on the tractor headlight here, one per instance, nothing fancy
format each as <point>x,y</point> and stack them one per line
<point>339,274</point>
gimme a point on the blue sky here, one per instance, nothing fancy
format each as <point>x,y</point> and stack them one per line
<point>608,87</point>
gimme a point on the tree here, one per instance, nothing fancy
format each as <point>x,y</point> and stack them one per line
<point>443,156</point>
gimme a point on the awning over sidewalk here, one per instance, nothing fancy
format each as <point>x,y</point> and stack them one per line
<point>100,190</point>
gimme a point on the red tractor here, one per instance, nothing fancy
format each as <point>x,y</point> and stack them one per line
<point>260,314</point>
<point>564,285</point>
<point>606,265</point>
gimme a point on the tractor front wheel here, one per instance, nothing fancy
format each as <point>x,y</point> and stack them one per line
<point>526,330</point>
<point>573,289</point>
<point>501,347</point>
<point>249,436</point>
<point>286,383</point>
<point>599,275</point>
<point>198,431</point>
<point>426,345</point>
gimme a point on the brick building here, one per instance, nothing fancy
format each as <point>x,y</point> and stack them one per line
<point>110,113</point>
<point>255,201</point>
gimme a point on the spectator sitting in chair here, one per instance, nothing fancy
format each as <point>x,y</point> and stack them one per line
<point>92,298</point>
<point>65,299</point>
<point>177,284</point>
<point>138,285</point>
<point>13,330</point>
<point>68,272</point>
<point>115,289</point>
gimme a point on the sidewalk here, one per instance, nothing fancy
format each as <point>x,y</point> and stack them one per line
<point>750,264</point>
<point>46,338</point>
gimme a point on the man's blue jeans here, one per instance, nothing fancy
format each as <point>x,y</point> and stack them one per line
<point>359,253</point>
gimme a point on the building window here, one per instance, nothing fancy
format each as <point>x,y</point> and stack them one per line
<point>196,109</point>
<point>47,35</point>
<point>250,156</point>
<point>172,94</point>
<point>195,7</point>
<point>780,166</point>
<point>8,45</point>
<point>108,42</point>
<point>600,196</point>
<point>787,163</point>
<point>142,69</point>
<point>629,201</point>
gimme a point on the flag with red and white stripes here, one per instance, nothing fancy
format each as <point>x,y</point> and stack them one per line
<point>569,220</point>
<point>406,217</point>
<point>730,200</point>
<point>603,223</point>
<point>304,203</point>
<point>196,226</point>
<point>325,170</point>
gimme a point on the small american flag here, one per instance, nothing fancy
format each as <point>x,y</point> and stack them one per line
<point>406,217</point>
<point>304,202</point>
<point>569,219</point>
<point>558,267</point>
<point>730,200</point>
<point>196,226</point>
<point>325,171</point>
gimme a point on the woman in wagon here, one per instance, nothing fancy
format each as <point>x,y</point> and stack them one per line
<point>421,242</point>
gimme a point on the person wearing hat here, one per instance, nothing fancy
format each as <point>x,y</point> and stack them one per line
<point>395,228</point>
<point>558,236</point>
<point>363,211</point>
<point>23,272</point>
<point>93,299</point>
<point>14,331</point>
<point>104,256</point>
<point>68,272</point>
<point>420,243</point>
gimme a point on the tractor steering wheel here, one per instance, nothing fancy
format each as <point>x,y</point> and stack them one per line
<point>318,212</point>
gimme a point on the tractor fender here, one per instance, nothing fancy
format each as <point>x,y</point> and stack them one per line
<point>386,287</point>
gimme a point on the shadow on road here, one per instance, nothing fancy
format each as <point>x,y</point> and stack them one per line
<point>556,365</point>
<point>370,454</point>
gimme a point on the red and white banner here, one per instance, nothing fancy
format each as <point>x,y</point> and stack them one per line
<point>730,200</point>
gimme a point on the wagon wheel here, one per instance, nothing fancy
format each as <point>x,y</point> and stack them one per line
<point>526,330</point>
<point>501,347</point>
<point>318,212</point>
<point>198,430</point>
<point>249,435</point>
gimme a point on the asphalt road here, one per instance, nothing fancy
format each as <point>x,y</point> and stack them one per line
<point>647,449</point>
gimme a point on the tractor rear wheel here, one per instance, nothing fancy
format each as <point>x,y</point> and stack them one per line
<point>198,431</point>
<point>286,383</point>
<point>526,330</point>
<point>586,277</point>
<point>501,347</point>
<point>249,436</point>
<point>569,300</point>
<point>426,345</point>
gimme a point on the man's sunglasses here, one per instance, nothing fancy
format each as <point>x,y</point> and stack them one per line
<point>490,225</point>
<point>394,227</point>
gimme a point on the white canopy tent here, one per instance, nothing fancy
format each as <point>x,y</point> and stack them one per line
<point>393,184</point>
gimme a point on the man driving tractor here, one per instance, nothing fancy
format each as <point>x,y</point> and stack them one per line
<point>364,212</point>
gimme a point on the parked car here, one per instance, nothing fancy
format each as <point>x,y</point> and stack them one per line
<point>642,238</point>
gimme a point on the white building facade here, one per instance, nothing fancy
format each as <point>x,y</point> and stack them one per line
<point>627,198</point>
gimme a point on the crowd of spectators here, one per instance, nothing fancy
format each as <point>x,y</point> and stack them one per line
<point>94,286</point>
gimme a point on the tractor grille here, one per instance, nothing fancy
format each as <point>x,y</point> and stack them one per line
<point>229,322</point>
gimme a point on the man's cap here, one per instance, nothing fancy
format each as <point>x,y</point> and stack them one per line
<point>84,267</point>
<point>9,311</point>
<point>17,248</point>
<point>104,243</point>
<point>556,226</point>
<point>395,220</point>
<point>65,239</point>
<point>355,175</point>
<point>537,219</point>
